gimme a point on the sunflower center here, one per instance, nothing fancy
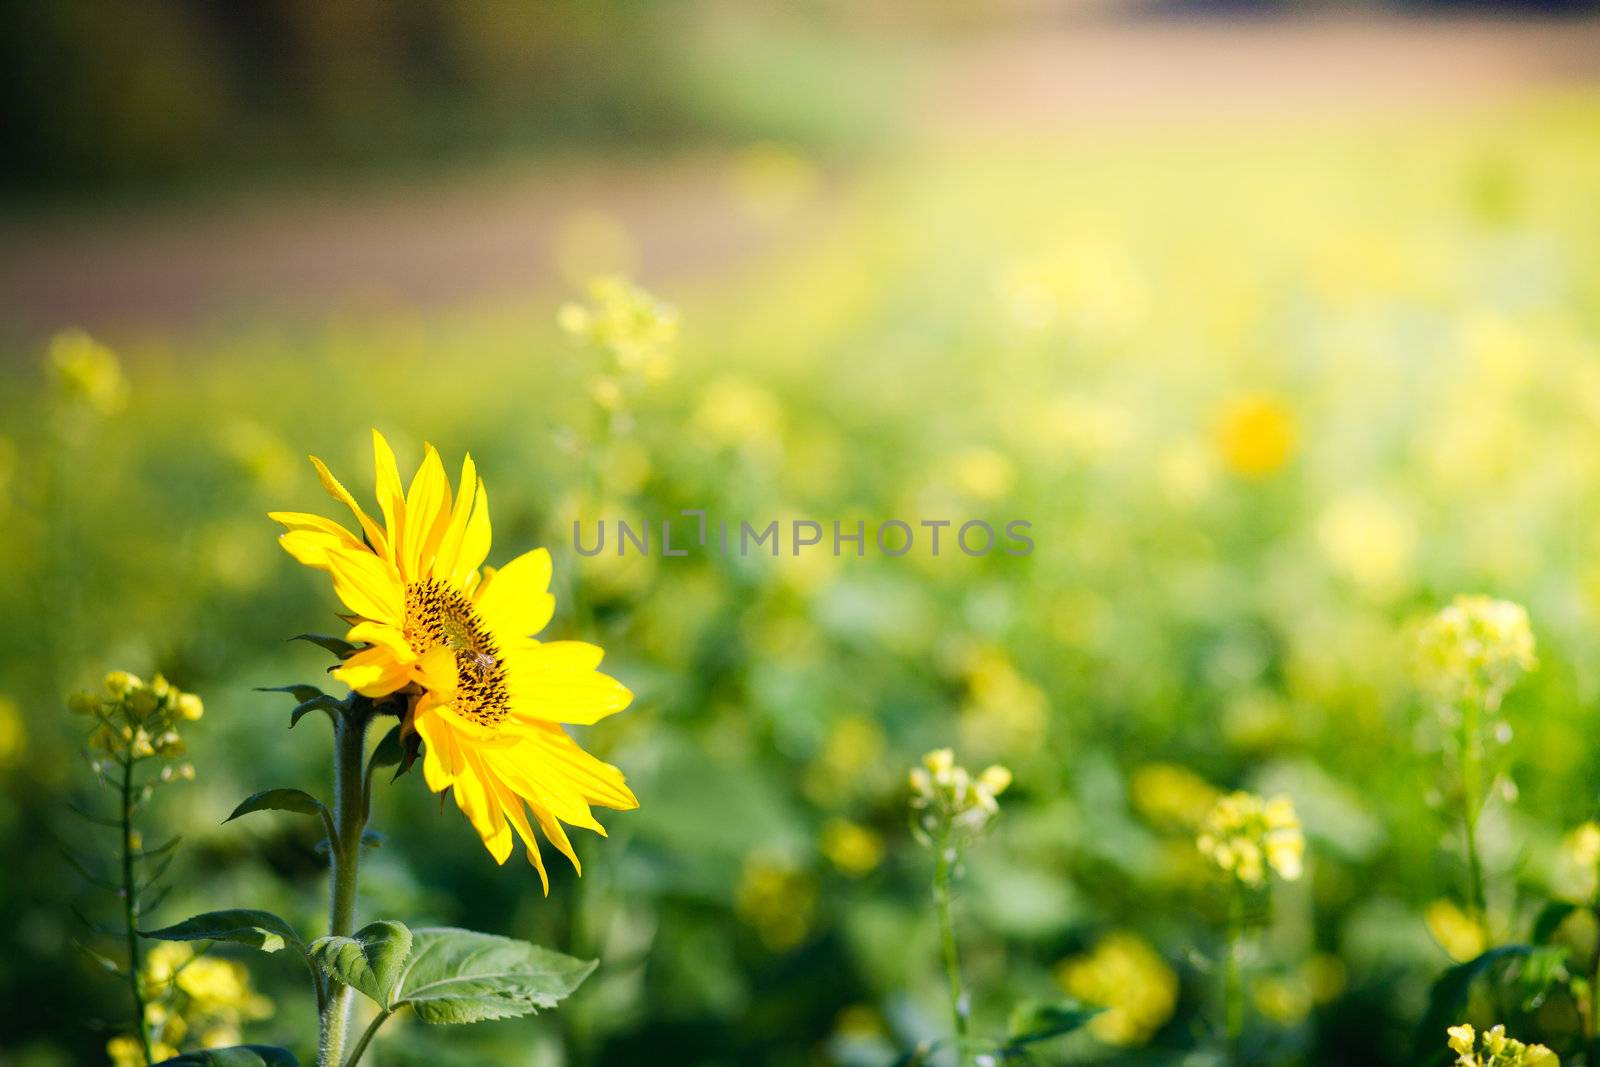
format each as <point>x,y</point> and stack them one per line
<point>440,616</point>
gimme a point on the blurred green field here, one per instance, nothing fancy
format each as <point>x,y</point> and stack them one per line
<point>1265,392</point>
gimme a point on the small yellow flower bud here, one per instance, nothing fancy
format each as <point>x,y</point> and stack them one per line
<point>939,761</point>
<point>995,779</point>
<point>119,683</point>
<point>143,701</point>
<point>190,707</point>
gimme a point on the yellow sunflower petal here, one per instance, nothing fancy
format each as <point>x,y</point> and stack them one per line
<point>375,536</point>
<point>427,513</point>
<point>517,599</point>
<point>300,520</point>
<point>560,755</point>
<point>373,672</point>
<point>481,807</point>
<point>441,758</point>
<point>475,539</point>
<point>578,697</point>
<point>384,635</point>
<point>511,804</point>
<point>391,498</point>
<point>444,563</point>
<point>311,547</point>
<point>558,837</point>
<point>368,585</point>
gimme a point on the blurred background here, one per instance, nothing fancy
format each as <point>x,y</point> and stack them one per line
<point>1278,321</point>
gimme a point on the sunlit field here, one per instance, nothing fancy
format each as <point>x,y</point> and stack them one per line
<point>1270,396</point>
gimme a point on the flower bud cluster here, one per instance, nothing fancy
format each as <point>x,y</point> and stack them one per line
<point>1475,649</point>
<point>632,329</point>
<point>1493,1048</point>
<point>137,720</point>
<point>1247,836</point>
<point>946,798</point>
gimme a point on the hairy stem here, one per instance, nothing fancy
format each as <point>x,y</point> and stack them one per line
<point>344,854</point>
<point>1233,977</point>
<point>947,933</point>
<point>130,913</point>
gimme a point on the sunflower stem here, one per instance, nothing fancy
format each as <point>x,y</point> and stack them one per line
<point>344,854</point>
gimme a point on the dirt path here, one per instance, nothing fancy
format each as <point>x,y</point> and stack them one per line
<point>492,236</point>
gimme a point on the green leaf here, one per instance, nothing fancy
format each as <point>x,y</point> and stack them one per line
<point>1448,998</point>
<point>296,800</point>
<point>337,645</point>
<point>237,1056</point>
<point>301,693</point>
<point>459,976</point>
<point>390,751</point>
<point>1032,1021</point>
<point>240,926</point>
<point>369,962</point>
<point>324,702</point>
<point>1549,920</point>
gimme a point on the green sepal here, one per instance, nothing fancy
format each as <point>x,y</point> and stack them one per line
<point>337,645</point>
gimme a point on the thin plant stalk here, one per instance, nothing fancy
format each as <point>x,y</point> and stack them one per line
<point>366,1038</point>
<point>1233,977</point>
<point>947,932</point>
<point>344,854</point>
<point>1472,803</point>
<point>130,913</point>
<point>1593,1021</point>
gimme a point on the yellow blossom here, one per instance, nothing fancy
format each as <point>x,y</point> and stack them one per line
<point>1246,836</point>
<point>851,847</point>
<point>1457,933</point>
<point>452,641</point>
<point>1476,648</point>
<point>948,798</point>
<point>1493,1048</point>
<point>1130,980</point>
<point>1255,435</point>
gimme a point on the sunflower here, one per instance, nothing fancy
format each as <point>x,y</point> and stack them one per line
<point>487,700</point>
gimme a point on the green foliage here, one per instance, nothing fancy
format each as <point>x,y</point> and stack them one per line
<point>296,800</point>
<point>1032,1022</point>
<point>459,976</point>
<point>369,962</point>
<point>240,926</point>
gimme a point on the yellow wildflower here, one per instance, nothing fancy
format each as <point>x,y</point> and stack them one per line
<point>1456,932</point>
<point>1255,436</point>
<point>851,847</point>
<point>1130,980</point>
<point>1493,1048</point>
<point>1476,648</point>
<point>1246,836</point>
